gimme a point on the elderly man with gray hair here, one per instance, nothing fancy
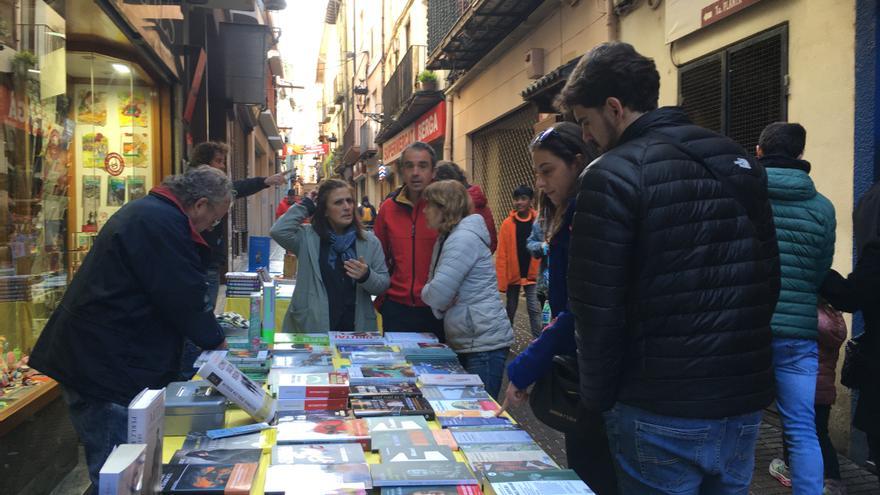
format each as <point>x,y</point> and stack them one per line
<point>139,292</point>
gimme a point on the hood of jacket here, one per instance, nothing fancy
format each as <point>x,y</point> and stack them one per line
<point>475,224</point>
<point>477,196</point>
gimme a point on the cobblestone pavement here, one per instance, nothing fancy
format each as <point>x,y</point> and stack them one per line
<point>858,480</point>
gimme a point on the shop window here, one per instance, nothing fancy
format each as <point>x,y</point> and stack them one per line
<point>740,89</point>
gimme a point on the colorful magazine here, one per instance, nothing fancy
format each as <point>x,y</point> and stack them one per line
<point>322,339</point>
<point>447,367</point>
<point>345,350</point>
<point>464,422</point>
<point>432,490</point>
<point>410,337</point>
<point>217,456</point>
<point>287,384</point>
<point>491,436</point>
<point>357,337</point>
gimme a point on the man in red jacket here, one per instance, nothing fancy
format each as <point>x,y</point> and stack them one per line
<point>285,203</point>
<point>408,244</point>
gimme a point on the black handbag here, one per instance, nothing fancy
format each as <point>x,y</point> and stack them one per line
<point>854,372</point>
<point>555,397</point>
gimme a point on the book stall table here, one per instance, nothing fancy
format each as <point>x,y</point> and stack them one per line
<point>411,418</point>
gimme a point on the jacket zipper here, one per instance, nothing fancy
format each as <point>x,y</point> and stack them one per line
<point>412,287</point>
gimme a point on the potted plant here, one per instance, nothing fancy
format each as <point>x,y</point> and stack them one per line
<point>428,80</point>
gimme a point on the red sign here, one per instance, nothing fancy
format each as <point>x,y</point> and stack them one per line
<point>429,127</point>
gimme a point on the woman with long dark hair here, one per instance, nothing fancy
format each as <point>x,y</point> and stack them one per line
<point>559,155</point>
<point>340,264</point>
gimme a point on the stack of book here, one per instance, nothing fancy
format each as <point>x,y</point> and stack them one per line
<point>310,391</point>
<point>242,284</point>
<point>249,361</point>
<point>322,428</point>
<point>428,351</point>
<point>392,399</point>
<point>317,469</point>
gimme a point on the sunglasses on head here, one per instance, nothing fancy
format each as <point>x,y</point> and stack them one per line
<point>552,133</point>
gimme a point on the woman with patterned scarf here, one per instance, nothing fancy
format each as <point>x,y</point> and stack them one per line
<point>340,265</point>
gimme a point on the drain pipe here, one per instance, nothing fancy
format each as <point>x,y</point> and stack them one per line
<point>612,21</point>
<point>447,143</point>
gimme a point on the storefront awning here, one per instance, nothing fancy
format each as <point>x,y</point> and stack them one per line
<point>419,103</point>
<point>543,91</point>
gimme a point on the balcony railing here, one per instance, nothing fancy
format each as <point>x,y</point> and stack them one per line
<point>442,16</point>
<point>351,142</point>
<point>368,138</point>
<point>401,84</point>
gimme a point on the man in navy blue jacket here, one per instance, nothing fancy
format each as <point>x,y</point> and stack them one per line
<point>141,289</point>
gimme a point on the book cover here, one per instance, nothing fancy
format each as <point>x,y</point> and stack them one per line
<point>402,438</point>
<point>322,339</point>
<point>413,454</point>
<point>317,479</point>
<point>258,253</point>
<point>492,436</point>
<point>509,466</point>
<point>368,374</point>
<point>473,408</point>
<point>279,349</point>
<point>366,391</point>
<point>410,337</point>
<point>444,437</point>
<point>319,453</point>
<point>432,490</point>
<point>123,471</point>
<point>453,380</point>
<point>312,404</point>
<point>238,388</point>
<point>439,368</point>
<point>563,481</point>
<point>299,361</point>
<point>392,406</point>
<point>324,431</point>
<point>217,456</point>
<point>443,392</point>
<point>421,473</point>
<point>357,337</point>
<point>494,447</point>
<point>227,479</point>
<point>345,350</point>
<point>200,441</point>
<point>359,357</point>
<point>504,459</point>
<point>146,424</point>
<point>290,385</point>
<point>241,356</point>
<point>464,422</point>
<point>205,355</point>
<point>391,423</point>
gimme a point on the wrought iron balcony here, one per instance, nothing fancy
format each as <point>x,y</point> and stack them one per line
<point>461,32</point>
<point>401,84</point>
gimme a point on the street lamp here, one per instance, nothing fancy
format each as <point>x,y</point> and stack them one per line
<point>360,102</point>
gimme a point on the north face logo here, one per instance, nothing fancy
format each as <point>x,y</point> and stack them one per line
<point>743,163</point>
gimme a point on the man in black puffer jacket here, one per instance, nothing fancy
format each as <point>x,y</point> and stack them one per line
<point>673,279</point>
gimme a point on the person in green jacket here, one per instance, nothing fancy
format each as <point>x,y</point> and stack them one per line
<point>340,263</point>
<point>805,225</point>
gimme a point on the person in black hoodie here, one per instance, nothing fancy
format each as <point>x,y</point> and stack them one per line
<point>673,276</point>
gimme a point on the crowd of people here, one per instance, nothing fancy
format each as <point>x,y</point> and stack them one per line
<point>689,283</point>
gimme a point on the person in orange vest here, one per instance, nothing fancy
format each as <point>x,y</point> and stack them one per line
<point>516,267</point>
<point>367,212</point>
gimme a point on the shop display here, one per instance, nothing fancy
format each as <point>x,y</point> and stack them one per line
<point>115,191</point>
<point>91,107</point>
<point>137,188</point>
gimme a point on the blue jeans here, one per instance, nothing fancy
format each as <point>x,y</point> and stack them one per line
<point>656,454</point>
<point>100,426</point>
<point>796,364</point>
<point>532,305</point>
<point>489,365</point>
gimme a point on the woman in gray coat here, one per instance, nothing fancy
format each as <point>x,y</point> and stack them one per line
<point>340,263</point>
<point>462,284</point>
